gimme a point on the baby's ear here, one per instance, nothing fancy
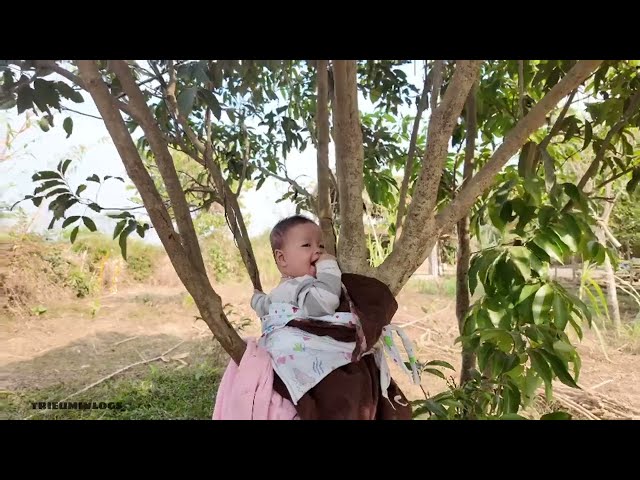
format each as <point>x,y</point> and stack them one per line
<point>279,256</point>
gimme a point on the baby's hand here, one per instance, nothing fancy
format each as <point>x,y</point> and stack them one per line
<point>326,256</point>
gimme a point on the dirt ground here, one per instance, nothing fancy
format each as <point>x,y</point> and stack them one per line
<point>71,345</point>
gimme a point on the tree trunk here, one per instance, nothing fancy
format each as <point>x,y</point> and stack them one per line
<point>352,250</point>
<point>197,284</point>
<point>419,233</point>
<point>325,215</point>
<point>463,254</point>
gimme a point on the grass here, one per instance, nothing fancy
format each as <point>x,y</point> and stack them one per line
<point>444,287</point>
<point>151,393</point>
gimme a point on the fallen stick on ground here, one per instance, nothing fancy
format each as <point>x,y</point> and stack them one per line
<point>111,375</point>
<point>142,362</point>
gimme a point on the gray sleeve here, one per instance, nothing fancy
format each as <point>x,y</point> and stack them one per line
<point>260,303</point>
<point>321,295</point>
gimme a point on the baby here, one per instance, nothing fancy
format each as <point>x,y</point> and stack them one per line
<point>309,293</point>
<point>310,277</point>
<point>310,288</point>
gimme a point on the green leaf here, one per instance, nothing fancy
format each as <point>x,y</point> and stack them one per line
<point>65,166</point>
<point>25,99</point>
<point>566,236</point>
<point>67,124</point>
<point>498,363</point>
<point>212,102</point>
<point>533,186</point>
<point>56,191</point>
<point>45,175</point>
<point>74,234</point>
<point>577,364</point>
<point>563,347</point>
<point>45,94</point>
<point>186,98</point>
<point>527,291</point>
<point>43,123</point>
<point>577,196</point>
<point>484,353</point>
<point>93,178</point>
<point>576,327</point>
<point>81,188</point>
<point>89,224</point>
<point>435,372</point>
<point>118,228</point>
<point>512,397</point>
<point>70,220</point>
<point>503,339</point>
<point>107,177</point>
<point>95,207</point>
<point>561,312</point>
<point>521,257</point>
<point>440,363</point>
<point>540,365</point>
<point>141,229</point>
<point>556,416</point>
<point>545,215</point>
<point>559,368</point>
<point>547,244</point>
<point>635,179</point>
<point>531,383</point>
<point>122,241</point>
<point>588,134</point>
<point>542,304</point>
<point>67,92</point>
<point>436,408</point>
<point>580,307</point>
<point>512,416</point>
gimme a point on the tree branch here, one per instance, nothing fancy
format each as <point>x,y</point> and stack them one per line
<point>297,187</point>
<point>81,113</point>
<point>52,65</point>
<point>512,143</point>
<point>615,177</point>
<point>352,251</point>
<point>549,164</point>
<point>207,300</point>
<point>413,246</point>
<point>324,180</point>
<point>245,159</point>
<point>408,167</point>
<point>232,210</point>
<point>593,168</point>
<point>556,126</point>
<point>463,253</point>
<point>164,162</point>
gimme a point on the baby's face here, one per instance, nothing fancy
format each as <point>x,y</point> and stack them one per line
<point>301,249</point>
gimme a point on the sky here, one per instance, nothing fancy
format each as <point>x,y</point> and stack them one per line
<point>92,151</point>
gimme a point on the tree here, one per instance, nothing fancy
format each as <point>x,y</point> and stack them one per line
<point>174,103</point>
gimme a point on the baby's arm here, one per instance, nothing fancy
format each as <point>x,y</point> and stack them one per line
<point>321,295</point>
<point>260,302</point>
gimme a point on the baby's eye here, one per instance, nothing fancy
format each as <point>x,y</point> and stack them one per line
<point>306,245</point>
<point>322,247</point>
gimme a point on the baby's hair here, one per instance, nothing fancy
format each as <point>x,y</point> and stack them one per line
<point>282,227</point>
